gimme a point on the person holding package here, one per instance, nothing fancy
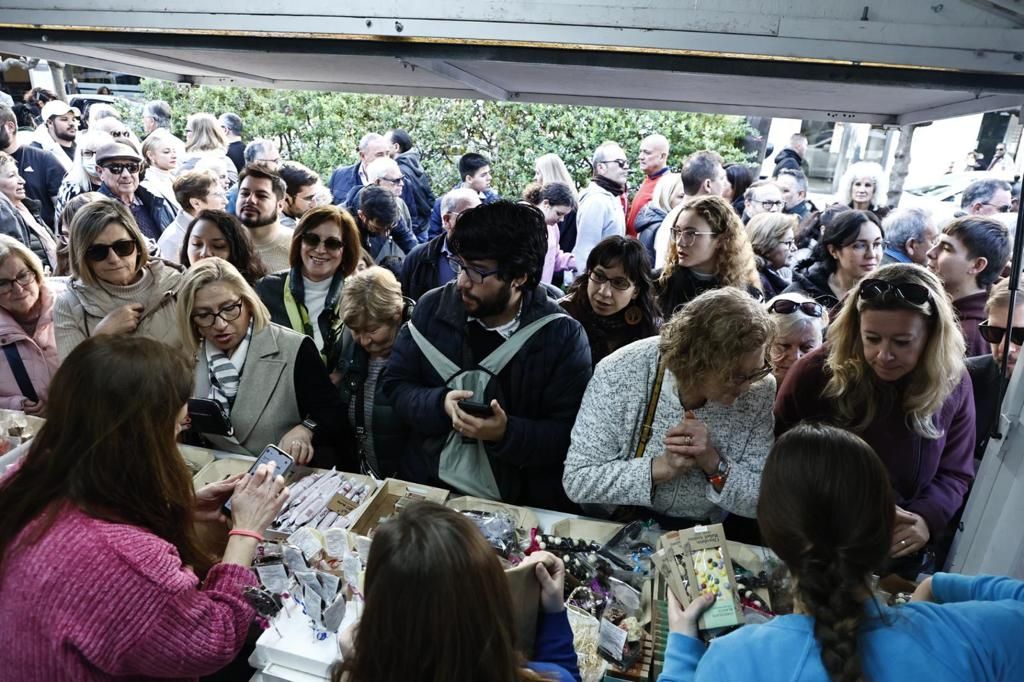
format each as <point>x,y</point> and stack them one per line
<point>26,330</point>
<point>892,371</point>
<point>680,424</point>
<point>828,511</point>
<point>455,620</point>
<point>269,381</point>
<point>102,576</point>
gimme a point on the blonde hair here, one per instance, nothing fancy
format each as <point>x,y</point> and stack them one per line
<point>706,338</point>
<point>939,370</point>
<point>999,297</point>
<point>7,160</point>
<point>790,323</point>
<point>553,169</point>
<point>155,139</point>
<point>210,271</point>
<point>663,191</point>
<point>766,231</point>
<point>88,223</point>
<point>864,169</point>
<point>206,134</point>
<point>9,246</point>
<point>373,295</point>
<point>734,257</point>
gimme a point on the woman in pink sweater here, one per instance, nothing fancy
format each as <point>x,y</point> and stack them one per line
<point>100,564</point>
<point>26,329</point>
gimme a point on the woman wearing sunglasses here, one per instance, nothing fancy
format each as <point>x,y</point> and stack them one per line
<point>709,249</point>
<point>115,287</point>
<point>892,371</point>
<point>267,379</point>
<point>801,324</point>
<point>999,332</point>
<point>613,299</point>
<point>680,424</point>
<point>324,251</point>
<point>773,240</point>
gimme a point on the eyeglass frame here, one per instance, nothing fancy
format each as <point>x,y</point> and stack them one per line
<point>7,285</point>
<point>605,279</point>
<point>458,267</point>
<point>1001,209</point>
<point>122,167</point>
<point>751,378</point>
<point>817,309</point>
<point>984,326</point>
<point>621,163</point>
<point>92,250</point>
<point>307,237</point>
<point>886,287</point>
<point>768,204</point>
<point>677,232</point>
<point>393,181</point>
<point>237,305</point>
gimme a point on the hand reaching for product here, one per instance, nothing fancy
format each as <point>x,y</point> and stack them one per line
<point>550,572</point>
<point>685,621</point>
<point>257,499</point>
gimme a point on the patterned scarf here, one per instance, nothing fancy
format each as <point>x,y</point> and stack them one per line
<point>225,372</point>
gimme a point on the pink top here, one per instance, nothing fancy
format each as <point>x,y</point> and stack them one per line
<point>95,600</point>
<point>38,352</point>
<point>555,260</point>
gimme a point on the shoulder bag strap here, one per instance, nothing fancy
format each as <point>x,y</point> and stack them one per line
<point>445,368</point>
<point>652,407</point>
<point>503,354</point>
<point>20,373</point>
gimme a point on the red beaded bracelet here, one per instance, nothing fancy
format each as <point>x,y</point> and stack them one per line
<point>246,533</point>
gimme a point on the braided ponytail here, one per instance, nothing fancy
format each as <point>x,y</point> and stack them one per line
<point>832,598</point>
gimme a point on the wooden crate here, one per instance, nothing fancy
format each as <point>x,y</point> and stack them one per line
<point>382,504</point>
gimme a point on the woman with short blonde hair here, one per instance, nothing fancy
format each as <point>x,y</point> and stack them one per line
<point>204,139</point>
<point>892,371</point>
<point>773,238</point>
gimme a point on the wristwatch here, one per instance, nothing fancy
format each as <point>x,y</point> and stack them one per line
<point>309,424</point>
<point>717,478</point>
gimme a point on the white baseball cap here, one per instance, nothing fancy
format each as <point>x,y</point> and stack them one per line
<point>57,107</point>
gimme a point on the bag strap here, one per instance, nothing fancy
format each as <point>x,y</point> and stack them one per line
<point>20,373</point>
<point>652,407</point>
<point>438,360</point>
<point>503,354</point>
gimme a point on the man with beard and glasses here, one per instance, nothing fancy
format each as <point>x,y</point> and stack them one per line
<point>261,199</point>
<point>522,418</point>
<point>41,170</point>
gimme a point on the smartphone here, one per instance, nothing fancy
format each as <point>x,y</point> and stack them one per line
<point>482,410</point>
<point>274,454</point>
<point>207,416</point>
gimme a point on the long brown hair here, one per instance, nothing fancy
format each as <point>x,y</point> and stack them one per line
<point>438,607</point>
<point>108,446</point>
<point>827,509</point>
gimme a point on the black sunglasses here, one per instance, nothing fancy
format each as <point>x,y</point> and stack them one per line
<point>313,241</point>
<point>118,168</point>
<point>785,307</point>
<point>915,294</point>
<point>994,334</point>
<point>122,247</point>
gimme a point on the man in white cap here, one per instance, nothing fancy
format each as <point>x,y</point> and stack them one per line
<point>58,131</point>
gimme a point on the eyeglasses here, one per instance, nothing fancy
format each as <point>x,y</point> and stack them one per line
<point>785,307</point>
<point>686,236</point>
<point>394,181</point>
<point>313,241</point>
<point>790,245</point>
<point>915,294</point>
<point>475,276</point>
<point>122,247</point>
<point>862,246</point>
<point>228,313</point>
<point>741,379</point>
<point>1005,208</point>
<point>120,133</point>
<point>118,168</point>
<point>621,163</point>
<point>600,279</point>
<point>22,279</point>
<point>769,205</point>
<point>990,333</point>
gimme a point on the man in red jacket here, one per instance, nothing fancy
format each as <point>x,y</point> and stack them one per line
<point>653,160</point>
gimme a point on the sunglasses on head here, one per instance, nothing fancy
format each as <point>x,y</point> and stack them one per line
<point>786,307</point>
<point>122,247</point>
<point>118,168</point>
<point>915,294</point>
<point>313,241</point>
<point>995,335</point>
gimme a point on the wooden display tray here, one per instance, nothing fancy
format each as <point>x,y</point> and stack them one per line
<point>525,519</point>
<point>382,503</point>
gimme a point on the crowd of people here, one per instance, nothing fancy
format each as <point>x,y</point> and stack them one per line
<point>591,350</point>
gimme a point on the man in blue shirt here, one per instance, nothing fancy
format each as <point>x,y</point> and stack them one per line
<point>909,233</point>
<point>371,146</point>
<point>427,266</point>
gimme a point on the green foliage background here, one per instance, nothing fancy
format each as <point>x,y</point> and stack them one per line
<point>321,129</point>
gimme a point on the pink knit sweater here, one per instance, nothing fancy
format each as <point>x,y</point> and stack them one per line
<point>94,600</point>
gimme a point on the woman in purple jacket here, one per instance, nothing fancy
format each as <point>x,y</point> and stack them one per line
<point>893,372</point>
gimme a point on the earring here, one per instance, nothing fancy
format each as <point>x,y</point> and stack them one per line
<point>633,315</point>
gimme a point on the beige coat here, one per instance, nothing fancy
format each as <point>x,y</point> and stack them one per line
<point>81,307</point>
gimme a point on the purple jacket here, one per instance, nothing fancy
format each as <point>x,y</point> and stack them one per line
<point>38,353</point>
<point>929,477</point>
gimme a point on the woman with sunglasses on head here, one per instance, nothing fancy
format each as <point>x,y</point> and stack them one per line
<point>268,380</point>
<point>219,233</point>
<point>801,324</point>
<point>115,287</point>
<point>709,249</point>
<point>827,511</point>
<point>306,298</point>
<point>851,248</point>
<point>892,371</point>
<point>772,238</point>
<point>613,299</point>
<point>680,424</point>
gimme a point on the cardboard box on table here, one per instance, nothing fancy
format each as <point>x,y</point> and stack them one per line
<point>382,503</point>
<point>524,518</point>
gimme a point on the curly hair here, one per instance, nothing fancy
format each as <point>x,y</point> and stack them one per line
<point>706,338</point>
<point>938,372</point>
<point>734,257</point>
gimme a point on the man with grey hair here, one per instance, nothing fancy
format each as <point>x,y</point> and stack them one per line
<point>764,196</point>
<point>231,125</point>
<point>371,146</point>
<point>426,267</point>
<point>987,197</point>
<point>909,233</point>
<point>793,155</point>
<point>793,184</point>
<point>600,213</point>
<point>156,114</point>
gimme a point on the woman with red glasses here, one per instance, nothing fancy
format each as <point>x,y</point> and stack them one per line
<point>306,298</point>
<point>115,287</point>
<point>892,371</point>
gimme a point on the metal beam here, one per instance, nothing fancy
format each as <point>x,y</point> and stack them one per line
<point>978,105</point>
<point>1007,10</point>
<point>65,55</point>
<point>460,75</point>
<point>191,65</point>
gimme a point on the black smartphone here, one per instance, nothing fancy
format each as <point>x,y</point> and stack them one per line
<point>207,416</point>
<point>274,454</point>
<point>482,410</point>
